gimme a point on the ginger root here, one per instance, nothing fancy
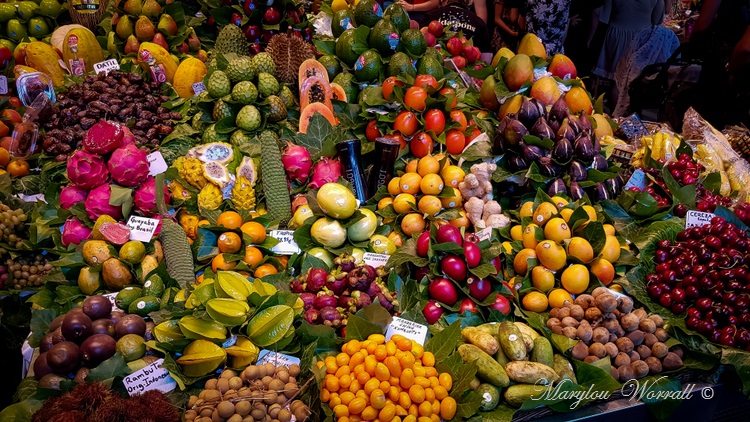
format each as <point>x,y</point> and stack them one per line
<point>478,183</point>
<point>485,214</point>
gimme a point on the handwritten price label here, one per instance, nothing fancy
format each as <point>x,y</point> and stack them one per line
<point>106,66</point>
<point>142,228</point>
<point>698,219</point>
<point>152,377</point>
<point>156,163</point>
<point>286,245</point>
<point>375,260</point>
<point>408,329</point>
<point>198,87</point>
<point>112,297</point>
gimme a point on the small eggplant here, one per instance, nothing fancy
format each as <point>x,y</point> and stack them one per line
<point>584,149</point>
<point>613,185</point>
<point>578,171</point>
<point>601,192</point>
<point>600,163</point>
<point>516,163</point>
<point>554,125</point>
<point>559,110</point>
<point>586,126</point>
<point>574,123</point>
<point>576,191</point>
<point>528,113</point>
<point>566,131</point>
<point>558,186</point>
<point>532,152</point>
<point>541,107</point>
<point>548,168</point>
<point>542,130</point>
<point>499,139</point>
<point>514,132</point>
<point>562,152</point>
<point>622,179</point>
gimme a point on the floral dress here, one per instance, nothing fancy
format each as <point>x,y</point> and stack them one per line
<point>548,19</point>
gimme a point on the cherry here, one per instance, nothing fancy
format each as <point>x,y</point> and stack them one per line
<point>693,313</point>
<point>678,295</point>
<point>678,308</point>
<point>692,292</point>
<point>713,242</point>
<point>703,304</point>
<point>680,210</point>
<point>665,300</point>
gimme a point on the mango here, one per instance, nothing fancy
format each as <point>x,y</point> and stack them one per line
<point>518,71</point>
<point>487,96</point>
<point>562,67</point>
<point>545,90</point>
<point>510,106</point>
<point>116,275</point>
<point>531,45</point>
<point>503,52</point>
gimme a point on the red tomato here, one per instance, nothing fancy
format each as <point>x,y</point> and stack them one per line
<point>426,80</point>
<point>434,120</point>
<point>415,98</point>
<point>371,131</point>
<point>388,85</point>
<point>446,92</point>
<point>459,117</point>
<point>406,123</point>
<point>15,102</point>
<point>474,133</point>
<point>399,137</point>
<point>421,145</point>
<point>455,141</point>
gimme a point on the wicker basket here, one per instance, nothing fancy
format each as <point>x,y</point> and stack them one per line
<point>739,138</point>
<point>87,12</point>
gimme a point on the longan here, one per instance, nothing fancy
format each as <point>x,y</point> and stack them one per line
<point>210,395</point>
<point>285,416</point>
<point>273,410</point>
<point>222,385</point>
<point>585,301</point>
<point>269,369</point>
<point>629,322</point>
<point>611,349</point>
<point>234,418</point>
<point>654,365</point>
<point>659,349</point>
<point>283,376</point>
<point>191,415</point>
<point>606,302</point>
<point>228,373</point>
<point>577,312</point>
<point>235,383</point>
<point>242,408</point>
<point>647,326</point>
<point>225,409</point>
<point>640,368</point>
<point>276,384</point>
<point>624,304</point>
<point>600,335</point>
<point>294,369</point>
<point>290,389</point>
<point>622,359</point>
<point>624,344</point>
<point>598,350</point>
<point>625,373</point>
<point>250,373</point>
<point>643,351</point>
<point>211,384</point>
<point>661,334</point>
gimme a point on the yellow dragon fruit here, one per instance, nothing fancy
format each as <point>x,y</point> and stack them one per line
<point>210,197</point>
<point>192,171</point>
<point>178,191</point>
<point>189,223</point>
<point>243,194</point>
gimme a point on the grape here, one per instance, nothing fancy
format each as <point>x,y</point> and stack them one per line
<point>26,271</point>
<point>12,227</point>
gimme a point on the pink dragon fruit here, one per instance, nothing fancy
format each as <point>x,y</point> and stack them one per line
<point>326,171</point>
<point>71,195</point>
<point>103,138</point>
<point>86,170</point>
<point>74,232</point>
<point>128,166</point>
<point>145,197</point>
<point>97,203</point>
<point>127,137</point>
<point>297,163</point>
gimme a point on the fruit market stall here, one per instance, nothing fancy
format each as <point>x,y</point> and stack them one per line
<point>243,211</point>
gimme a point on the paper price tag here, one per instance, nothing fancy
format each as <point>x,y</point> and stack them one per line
<point>152,377</point>
<point>485,234</point>
<point>28,355</point>
<point>3,85</point>
<point>375,260</point>
<point>198,87</point>
<point>286,245</point>
<point>637,180</point>
<point>106,66</point>
<point>278,359</point>
<point>698,219</point>
<point>142,228</point>
<point>408,329</point>
<point>112,297</point>
<point>156,163</point>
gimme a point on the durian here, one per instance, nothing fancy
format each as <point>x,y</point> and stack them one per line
<point>288,53</point>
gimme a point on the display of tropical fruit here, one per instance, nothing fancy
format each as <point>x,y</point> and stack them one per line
<point>24,21</point>
<point>331,297</point>
<point>412,384</point>
<point>562,249</point>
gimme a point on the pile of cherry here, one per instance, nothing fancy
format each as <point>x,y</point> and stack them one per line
<point>705,273</point>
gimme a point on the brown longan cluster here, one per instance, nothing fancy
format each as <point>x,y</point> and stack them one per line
<point>260,393</point>
<point>608,326</point>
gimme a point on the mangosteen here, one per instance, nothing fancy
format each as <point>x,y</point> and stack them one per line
<point>97,307</point>
<point>130,324</point>
<point>103,326</point>
<point>312,316</point>
<point>41,367</point>
<point>97,348</point>
<point>64,357</point>
<point>76,327</point>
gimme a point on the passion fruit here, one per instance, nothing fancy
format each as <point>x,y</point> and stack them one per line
<point>130,324</point>
<point>41,367</point>
<point>328,232</point>
<point>76,327</point>
<point>103,326</point>
<point>97,307</point>
<point>323,255</point>
<point>97,348</point>
<point>363,228</point>
<point>63,358</point>
<point>336,201</point>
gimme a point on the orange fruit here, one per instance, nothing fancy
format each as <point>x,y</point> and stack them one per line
<point>611,250</point>
<point>253,256</point>
<point>516,232</point>
<point>430,205</point>
<point>229,219</point>
<point>531,235</point>
<point>578,100</point>
<point>431,184</point>
<point>396,239</point>
<point>462,221</point>
<point>428,165</point>
<point>409,183</point>
<point>453,201</point>
<point>527,209</point>
<point>4,130</point>
<point>412,166</point>
<point>543,213</point>
<point>581,249</point>
<point>413,223</point>
<point>229,242</point>
<point>452,175</point>
<point>255,231</point>
<point>609,229</point>
<point>520,265</point>
<point>264,270</point>
<point>4,157</point>
<point>551,254</point>
<point>558,297</point>
<point>535,302</point>
<point>404,202</point>
<point>385,202</point>
<point>219,263</point>
<point>557,229</point>
<point>559,201</point>
<point>18,168</point>
<point>565,213</point>
<point>575,279</point>
<point>603,270</point>
<point>542,278</point>
<point>394,186</point>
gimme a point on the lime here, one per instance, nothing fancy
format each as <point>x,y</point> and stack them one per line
<point>132,252</point>
<point>131,347</point>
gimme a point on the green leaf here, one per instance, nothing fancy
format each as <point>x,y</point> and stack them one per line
<point>469,404</point>
<point>462,375</point>
<point>445,342</point>
<point>39,325</point>
<point>120,196</point>
<point>594,233</point>
<point>545,143</point>
<point>730,217</point>
<point>358,328</point>
<point>21,412</point>
<point>317,139</point>
<point>477,151</point>
<point>110,368</point>
<point>712,182</point>
<point>680,194</point>
<point>26,389</point>
<point>404,255</point>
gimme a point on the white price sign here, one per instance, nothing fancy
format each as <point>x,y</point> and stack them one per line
<point>152,377</point>
<point>698,219</point>
<point>375,260</point>
<point>485,234</point>
<point>3,85</point>
<point>106,66</point>
<point>198,87</point>
<point>408,329</point>
<point>142,228</point>
<point>156,163</point>
<point>112,297</point>
<point>278,359</point>
<point>286,245</point>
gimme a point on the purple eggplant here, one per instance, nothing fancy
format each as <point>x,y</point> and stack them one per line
<point>583,148</point>
<point>514,132</point>
<point>601,192</point>
<point>517,163</point>
<point>578,171</point>
<point>565,132</point>
<point>576,191</point>
<point>528,113</point>
<point>548,168</point>
<point>559,110</point>
<point>542,130</point>
<point>562,152</point>
<point>558,186</point>
<point>600,163</point>
<point>532,152</point>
